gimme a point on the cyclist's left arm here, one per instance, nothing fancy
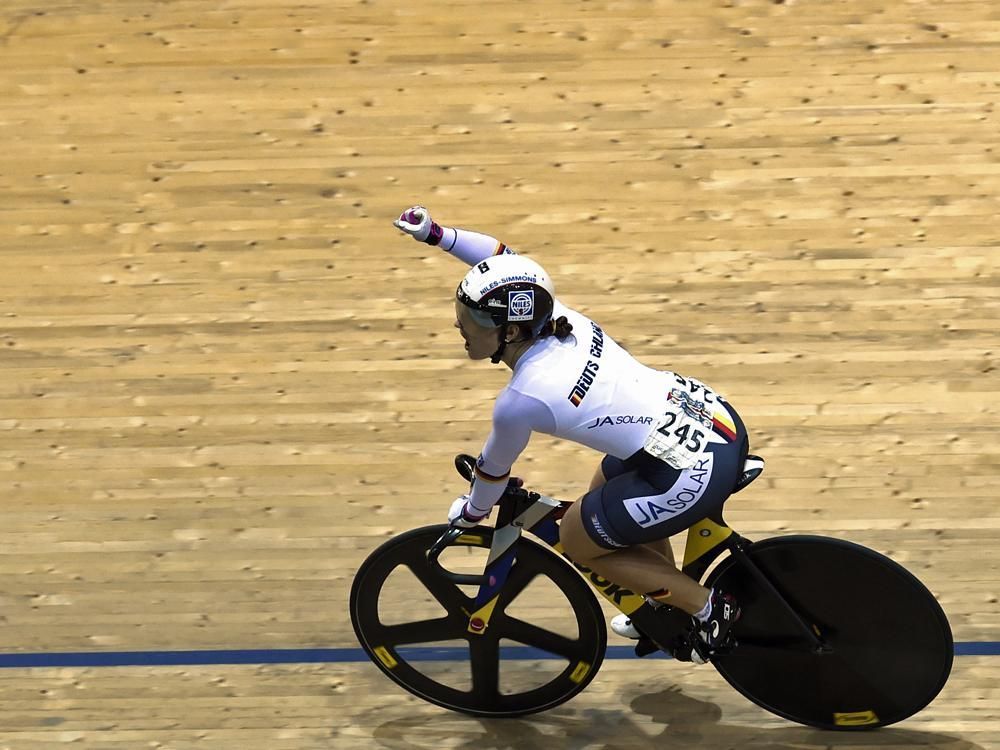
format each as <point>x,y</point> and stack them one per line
<point>515,417</point>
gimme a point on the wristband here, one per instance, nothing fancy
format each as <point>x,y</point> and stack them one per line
<point>467,514</point>
<point>435,234</point>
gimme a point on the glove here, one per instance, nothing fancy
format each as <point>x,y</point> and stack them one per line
<point>417,223</point>
<point>462,514</point>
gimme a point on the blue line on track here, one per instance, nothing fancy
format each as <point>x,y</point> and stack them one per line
<point>317,656</point>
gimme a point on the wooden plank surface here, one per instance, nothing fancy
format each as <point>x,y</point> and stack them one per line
<point>227,378</point>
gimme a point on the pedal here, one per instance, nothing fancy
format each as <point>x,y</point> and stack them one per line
<point>645,646</point>
<point>699,651</point>
<point>682,650</point>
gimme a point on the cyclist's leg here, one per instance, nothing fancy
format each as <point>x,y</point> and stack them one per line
<point>615,467</point>
<point>611,467</point>
<point>640,567</point>
<point>645,501</point>
<point>644,567</point>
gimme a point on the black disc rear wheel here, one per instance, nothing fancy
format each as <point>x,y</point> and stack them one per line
<point>416,631</point>
<point>890,645</point>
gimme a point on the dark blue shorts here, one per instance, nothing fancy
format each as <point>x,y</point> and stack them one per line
<point>646,499</point>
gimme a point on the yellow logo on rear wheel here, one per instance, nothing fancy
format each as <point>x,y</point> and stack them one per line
<point>854,718</point>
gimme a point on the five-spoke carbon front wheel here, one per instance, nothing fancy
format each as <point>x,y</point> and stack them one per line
<point>544,643</point>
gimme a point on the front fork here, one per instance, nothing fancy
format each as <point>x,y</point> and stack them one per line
<point>537,514</point>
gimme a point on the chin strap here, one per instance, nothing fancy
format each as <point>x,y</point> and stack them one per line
<point>498,354</point>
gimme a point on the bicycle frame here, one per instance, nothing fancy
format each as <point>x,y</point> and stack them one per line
<point>518,510</point>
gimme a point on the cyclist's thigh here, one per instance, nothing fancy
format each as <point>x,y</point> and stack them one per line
<point>577,538</point>
<point>629,509</point>
<point>592,516</point>
<point>646,500</point>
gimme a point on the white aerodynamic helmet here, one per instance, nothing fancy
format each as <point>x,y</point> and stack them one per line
<point>508,289</point>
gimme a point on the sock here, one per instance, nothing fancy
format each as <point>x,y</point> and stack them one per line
<point>706,611</point>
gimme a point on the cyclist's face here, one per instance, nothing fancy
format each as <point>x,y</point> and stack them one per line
<point>480,342</point>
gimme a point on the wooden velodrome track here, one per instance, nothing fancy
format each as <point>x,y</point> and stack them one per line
<point>227,378</point>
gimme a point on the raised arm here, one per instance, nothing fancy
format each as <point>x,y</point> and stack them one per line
<point>469,247</point>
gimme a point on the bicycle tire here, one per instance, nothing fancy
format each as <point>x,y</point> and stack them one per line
<point>892,646</point>
<point>584,654</point>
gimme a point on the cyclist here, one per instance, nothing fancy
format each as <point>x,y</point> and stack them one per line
<point>674,448</point>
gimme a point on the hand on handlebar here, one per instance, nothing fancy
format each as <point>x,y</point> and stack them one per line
<point>466,466</point>
<point>462,514</point>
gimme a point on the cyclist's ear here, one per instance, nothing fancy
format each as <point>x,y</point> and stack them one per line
<point>514,333</point>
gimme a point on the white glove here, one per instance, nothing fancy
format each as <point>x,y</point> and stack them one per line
<point>464,515</point>
<point>416,222</point>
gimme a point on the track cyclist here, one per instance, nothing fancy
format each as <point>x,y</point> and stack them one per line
<point>674,448</point>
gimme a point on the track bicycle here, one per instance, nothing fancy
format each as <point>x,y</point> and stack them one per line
<point>833,635</point>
